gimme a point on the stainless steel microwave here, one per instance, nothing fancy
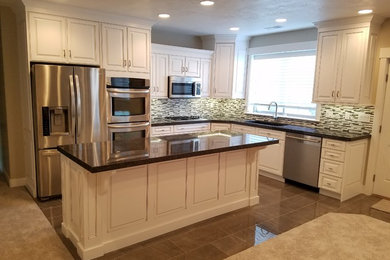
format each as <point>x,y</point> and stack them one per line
<point>184,87</point>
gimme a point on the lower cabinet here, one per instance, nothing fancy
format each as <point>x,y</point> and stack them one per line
<point>342,168</point>
<point>271,157</point>
<point>179,129</point>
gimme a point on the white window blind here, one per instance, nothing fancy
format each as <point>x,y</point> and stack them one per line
<point>286,78</point>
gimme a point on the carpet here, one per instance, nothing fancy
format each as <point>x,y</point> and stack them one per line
<point>382,205</point>
<point>332,236</point>
<point>25,233</point>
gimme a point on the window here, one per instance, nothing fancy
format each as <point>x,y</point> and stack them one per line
<point>286,77</point>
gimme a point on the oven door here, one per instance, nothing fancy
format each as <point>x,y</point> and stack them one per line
<point>128,105</point>
<point>118,132</point>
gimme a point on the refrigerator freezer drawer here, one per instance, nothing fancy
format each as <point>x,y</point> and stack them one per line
<point>49,173</point>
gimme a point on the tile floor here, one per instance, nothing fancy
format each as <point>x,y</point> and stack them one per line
<point>282,207</point>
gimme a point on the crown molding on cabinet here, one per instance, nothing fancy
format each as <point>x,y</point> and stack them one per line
<point>351,22</point>
<point>86,14</point>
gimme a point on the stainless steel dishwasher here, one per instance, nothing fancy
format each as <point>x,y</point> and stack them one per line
<point>302,158</point>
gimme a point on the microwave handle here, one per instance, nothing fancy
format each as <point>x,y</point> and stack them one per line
<point>133,91</point>
<point>129,125</point>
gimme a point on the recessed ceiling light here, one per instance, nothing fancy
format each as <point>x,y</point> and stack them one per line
<point>207,3</point>
<point>234,28</point>
<point>281,20</point>
<point>164,16</point>
<point>366,11</point>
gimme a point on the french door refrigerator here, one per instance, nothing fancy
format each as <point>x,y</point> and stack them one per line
<point>69,108</point>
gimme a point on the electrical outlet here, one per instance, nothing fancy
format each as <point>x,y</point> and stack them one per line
<point>348,116</point>
<point>329,114</point>
<point>364,117</point>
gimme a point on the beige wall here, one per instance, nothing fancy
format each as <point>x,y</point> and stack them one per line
<point>176,39</point>
<point>283,37</point>
<point>12,94</point>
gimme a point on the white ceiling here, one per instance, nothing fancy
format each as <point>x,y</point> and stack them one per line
<point>252,16</point>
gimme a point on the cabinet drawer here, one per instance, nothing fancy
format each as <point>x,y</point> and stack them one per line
<point>162,130</point>
<point>331,154</point>
<point>272,133</point>
<point>191,128</point>
<point>244,129</point>
<point>333,144</point>
<point>332,168</point>
<point>330,183</point>
<point>220,127</point>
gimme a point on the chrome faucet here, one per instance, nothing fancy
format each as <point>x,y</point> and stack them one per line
<point>276,109</point>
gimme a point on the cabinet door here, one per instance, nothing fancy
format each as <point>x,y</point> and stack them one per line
<point>47,38</point>
<point>224,63</point>
<point>271,158</point>
<point>138,50</point>
<point>160,75</point>
<point>192,67</point>
<point>326,68</point>
<point>205,75</point>
<point>83,41</point>
<point>176,65</point>
<point>114,47</point>
<point>350,75</point>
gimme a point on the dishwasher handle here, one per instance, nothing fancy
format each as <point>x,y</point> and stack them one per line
<point>305,139</point>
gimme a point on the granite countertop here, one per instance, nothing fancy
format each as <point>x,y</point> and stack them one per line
<point>325,133</point>
<point>105,156</point>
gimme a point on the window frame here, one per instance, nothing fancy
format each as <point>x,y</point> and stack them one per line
<point>275,50</point>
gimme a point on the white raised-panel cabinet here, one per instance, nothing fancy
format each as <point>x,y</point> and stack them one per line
<point>223,70</point>
<point>177,65</point>
<point>350,78</point>
<point>342,168</point>
<point>220,127</point>
<point>138,41</point>
<point>345,53</point>
<point>326,70</point>
<point>83,41</point>
<point>114,47</point>
<point>272,157</point>
<point>192,67</point>
<point>159,83</point>
<point>205,72</point>
<point>47,38</point>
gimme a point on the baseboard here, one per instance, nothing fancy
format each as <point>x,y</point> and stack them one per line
<point>6,175</point>
<point>271,175</point>
<point>16,182</point>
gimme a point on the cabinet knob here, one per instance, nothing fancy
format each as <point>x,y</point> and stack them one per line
<point>186,69</point>
<point>182,69</point>
<point>70,53</point>
<point>129,63</point>
<point>338,93</point>
<point>332,93</point>
<point>64,52</point>
<point>124,63</point>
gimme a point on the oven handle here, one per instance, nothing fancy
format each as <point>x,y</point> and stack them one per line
<point>133,91</point>
<point>129,125</point>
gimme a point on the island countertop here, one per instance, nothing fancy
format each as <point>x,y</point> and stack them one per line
<point>105,156</point>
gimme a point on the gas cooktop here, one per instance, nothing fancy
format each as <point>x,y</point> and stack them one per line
<point>183,118</point>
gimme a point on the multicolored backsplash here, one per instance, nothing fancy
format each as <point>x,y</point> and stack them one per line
<point>353,119</point>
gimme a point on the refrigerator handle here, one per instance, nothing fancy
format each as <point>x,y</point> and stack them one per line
<point>78,94</point>
<point>72,103</point>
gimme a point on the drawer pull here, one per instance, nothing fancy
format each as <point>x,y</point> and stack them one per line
<point>330,169</point>
<point>329,184</point>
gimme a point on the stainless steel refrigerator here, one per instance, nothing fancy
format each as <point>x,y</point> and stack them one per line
<point>69,108</point>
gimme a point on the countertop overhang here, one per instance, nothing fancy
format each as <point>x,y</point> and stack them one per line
<point>325,133</point>
<point>105,156</point>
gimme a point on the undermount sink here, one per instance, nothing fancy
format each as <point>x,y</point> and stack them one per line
<point>260,122</point>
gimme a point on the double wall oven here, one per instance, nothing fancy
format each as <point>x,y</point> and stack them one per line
<point>128,108</point>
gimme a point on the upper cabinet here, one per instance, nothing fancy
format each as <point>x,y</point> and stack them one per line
<point>179,61</point>
<point>345,54</point>
<point>184,66</point>
<point>230,62</point>
<point>58,39</point>
<point>125,49</point>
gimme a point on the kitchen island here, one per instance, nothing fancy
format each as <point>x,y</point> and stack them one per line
<point>115,194</point>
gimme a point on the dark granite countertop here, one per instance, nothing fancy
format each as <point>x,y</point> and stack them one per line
<point>104,156</point>
<point>325,133</point>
